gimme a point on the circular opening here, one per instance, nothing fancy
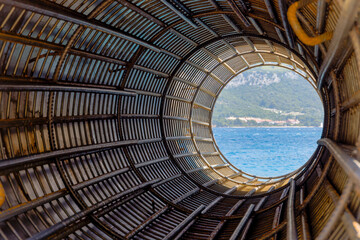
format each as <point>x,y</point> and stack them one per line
<point>267,120</point>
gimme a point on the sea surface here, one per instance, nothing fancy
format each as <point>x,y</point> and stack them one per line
<point>267,151</point>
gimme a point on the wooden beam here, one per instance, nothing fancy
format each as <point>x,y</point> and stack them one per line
<point>239,13</point>
<point>278,211</point>
<point>59,48</point>
<point>202,106</point>
<point>349,221</point>
<point>304,218</point>
<point>143,164</point>
<point>186,221</point>
<point>61,88</point>
<point>100,178</point>
<point>257,208</point>
<point>272,14</point>
<point>218,199</point>
<point>140,11</point>
<point>25,207</point>
<point>8,164</point>
<point>147,222</point>
<point>291,233</point>
<point>353,101</point>
<point>285,22</point>
<point>271,11</point>
<point>81,214</point>
<point>229,213</point>
<point>273,232</point>
<point>320,23</point>
<point>183,37</point>
<point>355,40</point>
<point>242,223</point>
<point>256,26</point>
<point>349,164</point>
<point>204,25</point>
<point>219,60</point>
<point>57,11</point>
<point>174,6</point>
<point>346,21</point>
<point>208,207</point>
<point>317,186</point>
<point>226,18</point>
<point>338,211</point>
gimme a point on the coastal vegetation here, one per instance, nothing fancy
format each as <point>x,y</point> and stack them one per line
<point>268,96</point>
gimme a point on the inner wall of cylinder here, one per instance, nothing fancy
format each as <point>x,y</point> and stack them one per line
<point>188,108</point>
<point>165,119</point>
<point>105,120</point>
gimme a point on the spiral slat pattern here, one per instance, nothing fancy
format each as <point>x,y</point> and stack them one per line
<point>105,120</point>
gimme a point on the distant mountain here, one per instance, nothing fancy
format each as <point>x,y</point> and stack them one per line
<point>268,96</point>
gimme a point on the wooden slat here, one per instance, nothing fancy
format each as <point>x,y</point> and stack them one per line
<point>57,11</point>
<point>76,217</point>
<point>257,208</point>
<point>346,21</point>
<point>238,204</point>
<point>242,223</point>
<point>183,224</point>
<point>350,165</point>
<point>337,213</point>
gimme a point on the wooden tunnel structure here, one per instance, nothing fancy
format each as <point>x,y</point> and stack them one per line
<point>105,119</point>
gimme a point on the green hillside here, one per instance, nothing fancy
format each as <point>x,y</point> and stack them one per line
<point>268,93</point>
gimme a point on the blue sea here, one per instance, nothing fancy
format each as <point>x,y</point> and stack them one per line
<point>267,151</point>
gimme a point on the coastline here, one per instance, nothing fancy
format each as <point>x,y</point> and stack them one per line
<point>271,127</point>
